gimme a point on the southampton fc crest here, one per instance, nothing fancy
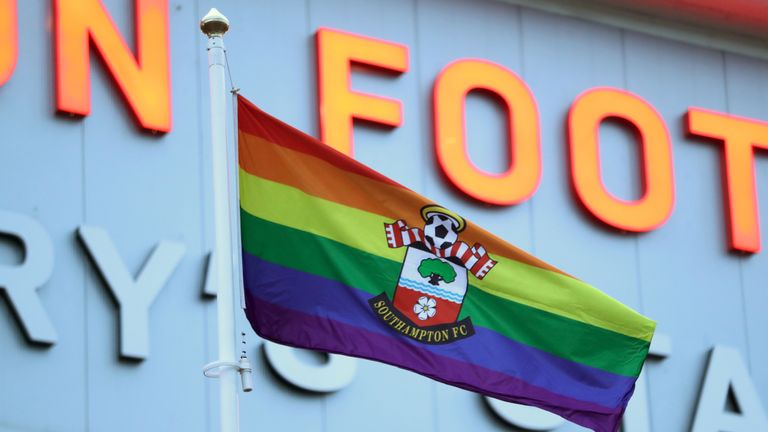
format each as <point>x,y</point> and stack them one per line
<point>433,281</point>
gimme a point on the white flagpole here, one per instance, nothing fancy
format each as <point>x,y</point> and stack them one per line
<point>214,25</point>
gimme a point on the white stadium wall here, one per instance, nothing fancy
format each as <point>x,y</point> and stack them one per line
<point>88,202</point>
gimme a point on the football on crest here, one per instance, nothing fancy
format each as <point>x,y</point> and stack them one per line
<point>440,231</point>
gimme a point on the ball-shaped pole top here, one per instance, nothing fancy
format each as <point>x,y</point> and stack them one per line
<point>214,23</point>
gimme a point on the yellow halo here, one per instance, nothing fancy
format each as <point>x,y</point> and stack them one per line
<point>431,209</point>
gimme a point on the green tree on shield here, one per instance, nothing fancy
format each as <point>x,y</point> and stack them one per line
<point>436,270</point>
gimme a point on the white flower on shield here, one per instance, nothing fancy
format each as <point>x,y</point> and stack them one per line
<point>425,308</point>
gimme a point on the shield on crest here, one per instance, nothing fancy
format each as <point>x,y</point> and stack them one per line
<point>430,289</point>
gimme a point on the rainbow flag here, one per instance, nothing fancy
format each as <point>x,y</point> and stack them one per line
<point>339,258</point>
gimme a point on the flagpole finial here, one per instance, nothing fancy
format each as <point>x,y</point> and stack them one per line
<point>214,23</point>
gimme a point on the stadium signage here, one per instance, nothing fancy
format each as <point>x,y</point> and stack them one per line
<point>144,81</point>
<point>339,106</point>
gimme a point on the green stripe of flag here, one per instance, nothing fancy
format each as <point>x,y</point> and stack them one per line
<point>566,338</point>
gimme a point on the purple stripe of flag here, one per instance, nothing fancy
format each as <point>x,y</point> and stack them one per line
<point>325,298</point>
<point>294,328</point>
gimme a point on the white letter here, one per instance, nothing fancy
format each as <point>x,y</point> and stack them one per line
<point>726,371</point>
<point>134,297</point>
<point>333,375</point>
<point>21,282</point>
<point>525,417</point>
<point>209,288</point>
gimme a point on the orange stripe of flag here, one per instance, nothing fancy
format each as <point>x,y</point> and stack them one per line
<point>298,169</point>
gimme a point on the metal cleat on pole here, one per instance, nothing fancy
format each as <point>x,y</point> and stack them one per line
<point>243,367</point>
